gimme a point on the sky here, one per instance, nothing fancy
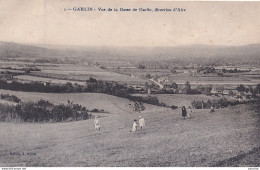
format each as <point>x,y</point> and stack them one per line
<point>209,23</point>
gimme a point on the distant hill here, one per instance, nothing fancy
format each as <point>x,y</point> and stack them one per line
<point>8,49</point>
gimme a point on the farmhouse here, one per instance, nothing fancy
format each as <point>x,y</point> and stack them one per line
<point>214,91</point>
<point>225,92</point>
<point>163,80</point>
<point>249,94</point>
<point>139,89</point>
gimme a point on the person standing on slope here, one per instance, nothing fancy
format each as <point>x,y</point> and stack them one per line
<point>189,110</point>
<point>184,112</point>
<point>97,123</point>
<point>141,122</point>
<point>134,128</point>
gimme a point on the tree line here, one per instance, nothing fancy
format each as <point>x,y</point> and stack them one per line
<point>218,103</point>
<point>92,86</point>
<point>43,111</point>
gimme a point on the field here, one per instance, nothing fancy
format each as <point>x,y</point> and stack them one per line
<point>80,72</point>
<point>180,99</point>
<point>27,78</point>
<point>111,104</point>
<point>84,72</point>
<point>228,137</point>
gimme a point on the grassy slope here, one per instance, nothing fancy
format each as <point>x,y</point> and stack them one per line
<point>180,99</point>
<point>109,103</point>
<point>204,140</point>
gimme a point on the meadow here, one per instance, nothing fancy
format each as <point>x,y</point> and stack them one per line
<point>111,104</point>
<point>227,137</point>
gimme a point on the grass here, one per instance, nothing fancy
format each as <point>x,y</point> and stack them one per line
<point>50,80</point>
<point>207,139</point>
<point>179,99</point>
<point>83,72</point>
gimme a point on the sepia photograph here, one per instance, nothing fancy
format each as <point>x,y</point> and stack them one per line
<point>136,83</point>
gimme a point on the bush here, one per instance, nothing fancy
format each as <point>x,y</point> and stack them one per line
<point>141,66</point>
<point>137,106</point>
<point>95,110</point>
<point>11,98</point>
<point>173,107</point>
<point>217,103</point>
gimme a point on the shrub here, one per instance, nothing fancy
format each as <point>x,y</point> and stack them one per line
<point>173,107</point>
<point>11,98</point>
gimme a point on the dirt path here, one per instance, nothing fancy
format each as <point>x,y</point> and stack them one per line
<point>160,85</point>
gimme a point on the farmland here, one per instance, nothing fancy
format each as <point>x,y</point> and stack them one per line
<point>251,78</point>
<point>75,72</point>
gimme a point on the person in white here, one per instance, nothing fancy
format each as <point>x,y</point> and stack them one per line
<point>97,123</point>
<point>189,111</point>
<point>141,122</point>
<point>134,128</point>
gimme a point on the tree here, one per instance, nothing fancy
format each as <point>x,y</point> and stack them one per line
<point>173,71</point>
<point>141,66</point>
<point>187,88</point>
<point>241,88</point>
<point>148,75</point>
<point>175,85</point>
<point>258,88</point>
<point>231,93</point>
<point>92,80</point>
<point>137,106</point>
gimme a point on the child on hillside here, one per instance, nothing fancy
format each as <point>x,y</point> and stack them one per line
<point>134,128</point>
<point>189,110</point>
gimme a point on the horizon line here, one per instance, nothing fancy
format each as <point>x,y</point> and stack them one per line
<point>111,46</point>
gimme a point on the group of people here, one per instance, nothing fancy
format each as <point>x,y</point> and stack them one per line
<point>186,113</point>
<point>141,124</point>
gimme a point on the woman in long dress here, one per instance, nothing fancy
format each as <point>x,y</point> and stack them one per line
<point>184,112</point>
<point>97,123</point>
<point>134,128</point>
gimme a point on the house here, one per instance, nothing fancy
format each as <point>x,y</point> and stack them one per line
<point>214,91</point>
<point>149,91</point>
<point>163,80</point>
<point>193,72</point>
<point>249,94</point>
<point>138,89</point>
<point>225,92</point>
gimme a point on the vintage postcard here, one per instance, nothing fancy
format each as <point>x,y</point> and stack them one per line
<point>87,83</point>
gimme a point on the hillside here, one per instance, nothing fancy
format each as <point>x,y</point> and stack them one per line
<point>251,51</point>
<point>109,103</point>
<point>226,137</point>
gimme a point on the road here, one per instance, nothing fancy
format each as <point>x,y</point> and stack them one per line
<point>160,85</point>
